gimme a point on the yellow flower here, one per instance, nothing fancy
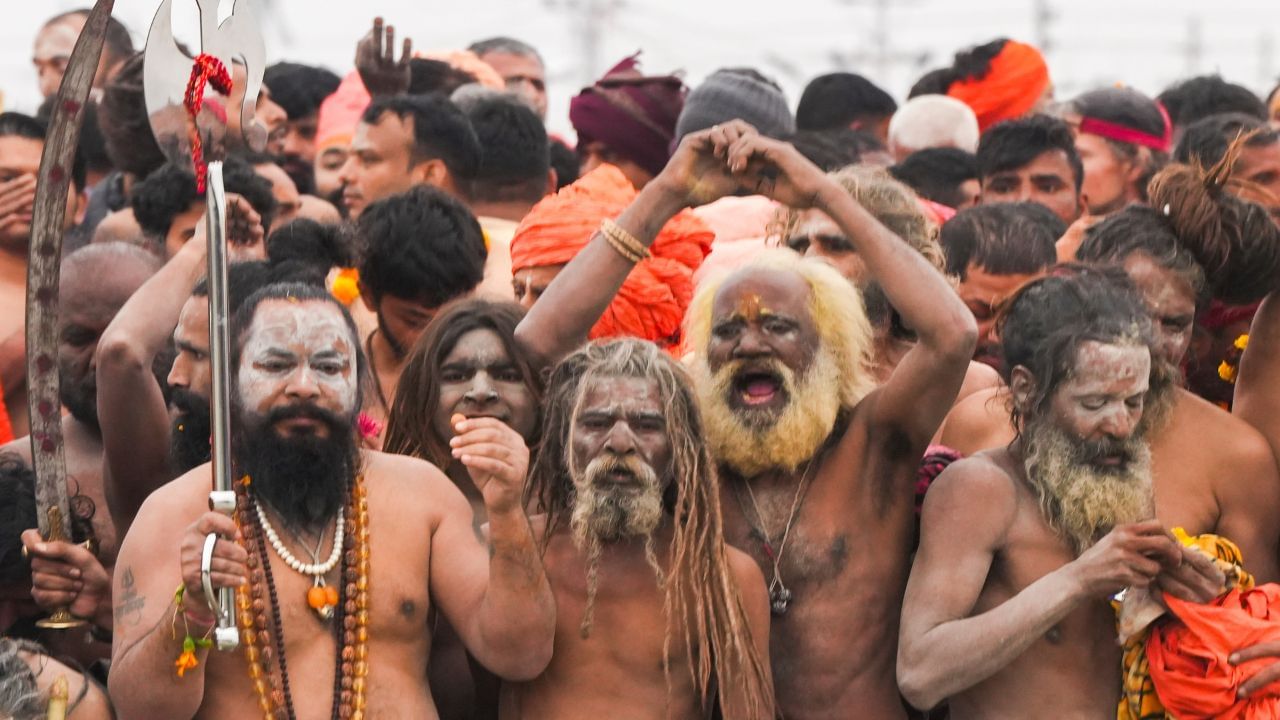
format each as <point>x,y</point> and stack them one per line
<point>346,286</point>
<point>1242,342</point>
<point>1227,371</point>
<point>186,661</point>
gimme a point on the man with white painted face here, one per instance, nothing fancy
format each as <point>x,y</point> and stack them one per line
<point>387,540</point>
<point>1022,547</point>
<point>817,465</point>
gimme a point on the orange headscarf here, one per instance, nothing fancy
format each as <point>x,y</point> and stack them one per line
<point>1188,659</point>
<point>653,300</point>
<point>1015,81</point>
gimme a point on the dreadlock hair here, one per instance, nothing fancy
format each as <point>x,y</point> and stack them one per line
<point>1047,320</point>
<point>410,430</point>
<point>1140,229</point>
<point>1234,240</point>
<point>701,595</point>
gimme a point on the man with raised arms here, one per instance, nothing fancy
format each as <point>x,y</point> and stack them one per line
<point>817,465</point>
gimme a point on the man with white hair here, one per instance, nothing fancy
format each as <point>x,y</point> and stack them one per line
<point>932,121</point>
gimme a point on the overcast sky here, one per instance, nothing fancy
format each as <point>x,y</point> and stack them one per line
<point>1090,42</point>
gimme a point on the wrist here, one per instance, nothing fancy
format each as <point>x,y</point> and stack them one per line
<point>198,616</point>
<point>663,196</point>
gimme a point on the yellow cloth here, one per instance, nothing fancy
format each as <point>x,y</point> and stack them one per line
<point>1140,701</point>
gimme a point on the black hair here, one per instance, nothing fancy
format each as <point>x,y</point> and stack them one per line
<point>116,44</point>
<point>1199,97</point>
<point>970,64</point>
<point>1004,239</point>
<point>1206,140</point>
<point>1043,325</point>
<point>18,513</point>
<point>1131,109</point>
<point>427,77</point>
<point>934,82</point>
<point>126,126</point>
<point>937,174</point>
<point>837,99</point>
<point>1012,144</point>
<point>298,88</point>
<point>422,245</point>
<point>13,124</point>
<point>440,130</point>
<point>305,251</point>
<point>1138,228</point>
<point>837,147</point>
<point>170,190</point>
<point>503,44</point>
<point>565,162</point>
<point>515,154</point>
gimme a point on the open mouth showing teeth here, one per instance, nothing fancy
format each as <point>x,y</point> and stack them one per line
<point>758,388</point>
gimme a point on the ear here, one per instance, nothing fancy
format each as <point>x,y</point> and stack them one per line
<point>82,206</point>
<point>1082,203</point>
<point>1022,384</point>
<point>431,172</point>
<point>366,297</point>
<point>1138,165</point>
<point>553,181</point>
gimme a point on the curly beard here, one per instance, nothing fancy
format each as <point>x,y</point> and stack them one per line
<point>1080,498</point>
<point>752,442</point>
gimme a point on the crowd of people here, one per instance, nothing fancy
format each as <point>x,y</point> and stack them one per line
<point>964,407</point>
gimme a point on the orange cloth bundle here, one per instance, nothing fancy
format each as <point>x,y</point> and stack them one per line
<point>1188,659</point>
<point>653,300</point>
<point>1016,80</point>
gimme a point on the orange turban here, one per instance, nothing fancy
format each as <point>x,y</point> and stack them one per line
<point>654,297</point>
<point>1188,659</point>
<point>1015,81</point>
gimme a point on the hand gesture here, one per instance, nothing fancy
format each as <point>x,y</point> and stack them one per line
<point>696,173</point>
<point>496,457</point>
<point>769,167</point>
<point>65,575</point>
<point>1194,578</point>
<point>229,567</point>
<point>246,239</point>
<point>381,73</point>
<point>17,199</point>
<point>1263,677</point>
<point>1129,555</point>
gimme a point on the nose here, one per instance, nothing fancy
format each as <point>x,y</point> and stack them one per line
<point>1120,423</point>
<point>526,299</point>
<point>620,441</point>
<point>302,385</point>
<point>180,373</point>
<point>481,391</point>
<point>751,344</point>
<point>347,173</point>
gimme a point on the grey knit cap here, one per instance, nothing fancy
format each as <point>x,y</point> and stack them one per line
<point>737,95</point>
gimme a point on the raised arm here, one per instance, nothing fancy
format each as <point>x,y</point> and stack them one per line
<point>942,648</point>
<point>498,599</point>
<point>131,406</point>
<point>559,322</point>
<point>1256,399</point>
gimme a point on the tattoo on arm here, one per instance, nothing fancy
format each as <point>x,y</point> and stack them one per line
<point>129,604</point>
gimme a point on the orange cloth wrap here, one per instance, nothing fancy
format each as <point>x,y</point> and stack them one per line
<point>6,429</point>
<point>1189,658</point>
<point>654,297</point>
<point>1017,79</point>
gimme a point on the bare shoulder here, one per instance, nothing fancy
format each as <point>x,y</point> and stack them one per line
<point>978,422</point>
<point>977,378</point>
<point>20,447</point>
<point>183,498</point>
<point>745,570</point>
<point>1230,436</point>
<point>979,490</point>
<point>415,485</point>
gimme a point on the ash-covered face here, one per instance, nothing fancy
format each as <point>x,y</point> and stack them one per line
<point>1171,301</point>
<point>479,378</point>
<point>620,459</point>
<point>298,353</point>
<point>1087,457</point>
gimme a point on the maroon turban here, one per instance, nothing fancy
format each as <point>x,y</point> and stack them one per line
<point>631,114</point>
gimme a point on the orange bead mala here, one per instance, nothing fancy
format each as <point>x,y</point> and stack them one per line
<point>264,650</point>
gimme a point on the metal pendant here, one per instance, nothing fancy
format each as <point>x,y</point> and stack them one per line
<point>779,598</point>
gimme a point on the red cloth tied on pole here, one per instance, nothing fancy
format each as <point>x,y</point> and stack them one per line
<point>1188,658</point>
<point>1016,80</point>
<point>206,69</point>
<point>654,297</point>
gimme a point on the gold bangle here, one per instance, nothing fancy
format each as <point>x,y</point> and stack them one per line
<point>629,241</point>
<point>619,248</point>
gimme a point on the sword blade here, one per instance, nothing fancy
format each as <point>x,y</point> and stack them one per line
<point>45,255</point>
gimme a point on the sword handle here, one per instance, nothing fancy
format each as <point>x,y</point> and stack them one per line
<point>60,618</point>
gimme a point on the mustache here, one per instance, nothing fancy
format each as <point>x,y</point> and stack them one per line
<point>188,402</point>
<point>610,462</point>
<point>307,411</point>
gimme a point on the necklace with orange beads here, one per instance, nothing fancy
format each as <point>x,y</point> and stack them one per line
<point>263,635</point>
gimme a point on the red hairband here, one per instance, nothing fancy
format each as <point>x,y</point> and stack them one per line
<point>1120,133</point>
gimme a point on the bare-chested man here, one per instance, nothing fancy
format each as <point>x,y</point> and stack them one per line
<point>1006,613</point>
<point>1189,451</point>
<point>21,145</point>
<point>95,282</point>
<point>819,471</point>
<point>410,549</point>
<point>654,613</point>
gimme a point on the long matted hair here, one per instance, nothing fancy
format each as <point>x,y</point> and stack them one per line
<point>701,594</point>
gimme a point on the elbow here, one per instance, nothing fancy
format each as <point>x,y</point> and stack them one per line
<point>527,663</point>
<point>916,683</point>
<point>533,344</point>
<point>957,340</point>
<point>117,351</point>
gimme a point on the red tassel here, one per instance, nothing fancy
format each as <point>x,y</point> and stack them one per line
<point>207,69</point>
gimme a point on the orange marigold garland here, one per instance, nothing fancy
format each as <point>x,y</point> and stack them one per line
<point>1229,369</point>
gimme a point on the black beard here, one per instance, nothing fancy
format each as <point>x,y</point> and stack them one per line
<point>304,478</point>
<point>396,349</point>
<point>80,399</point>
<point>190,432</point>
